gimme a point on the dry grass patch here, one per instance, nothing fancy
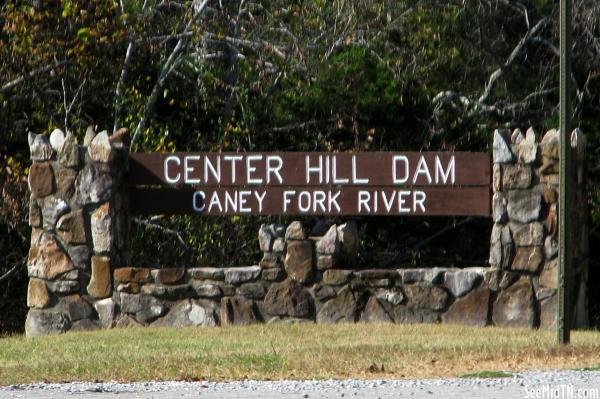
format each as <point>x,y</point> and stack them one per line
<point>289,352</point>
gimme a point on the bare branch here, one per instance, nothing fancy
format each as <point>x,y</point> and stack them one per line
<point>13,83</point>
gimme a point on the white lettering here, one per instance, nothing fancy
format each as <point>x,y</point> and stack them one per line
<point>216,172</point>
<point>195,201</point>
<point>449,173</point>
<point>419,200</point>
<point>286,200</point>
<point>171,180</point>
<point>275,170</point>
<point>395,160</point>
<point>251,169</point>
<point>402,200</point>
<point>314,169</point>
<point>363,200</point>
<point>189,169</point>
<point>333,201</point>
<point>335,178</point>
<point>319,201</point>
<point>214,201</point>
<point>355,177</point>
<point>422,168</point>
<point>233,159</point>
<point>260,199</point>
<point>243,194</point>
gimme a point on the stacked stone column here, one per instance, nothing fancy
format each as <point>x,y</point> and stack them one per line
<point>79,224</point>
<point>524,241</point>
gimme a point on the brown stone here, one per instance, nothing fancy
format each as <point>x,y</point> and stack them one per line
<point>269,260</point>
<point>426,297</point>
<point>238,311</point>
<point>69,153</point>
<point>550,195</point>
<point>121,136</point>
<point>299,260</point>
<point>326,262</point>
<point>274,274</point>
<point>71,228</point>
<point>336,276</point>
<point>65,181</point>
<point>47,260</point>
<point>471,309</point>
<point>514,306</point>
<point>100,283</point>
<point>375,312</point>
<point>170,275</point>
<point>102,228</point>
<point>406,314</point>
<point>37,294</point>
<point>529,234</point>
<point>132,275</point>
<point>251,291</point>
<point>127,321</point>
<point>129,288</point>
<point>528,259</point>
<point>288,299</point>
<point>41,179</point>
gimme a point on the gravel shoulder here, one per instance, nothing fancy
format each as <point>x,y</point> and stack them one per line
<point>540,384</point>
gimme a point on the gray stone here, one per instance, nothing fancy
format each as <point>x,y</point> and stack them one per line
<point>92,186</point>
<point>516,176</point>
<point>288,320</point>
<point>499,208</point>
<point>75,307</point>
<point>326,262</point>
<point>239,275</point>
<point>100,149</point>
<point>178,291</point>
<point>328,244</point>
<point>63,287</point>
<point>348,238</point>
<point>101,227</point>
<point>426,297</point>
<point>71,228</point>
<point>472,310</point>
<point>415,275</point>
<point>336,276</point>
<point>57,140</point>
<point>41,179</point>
<point>295,231</point>
<point>265,238</point>
<point>251,291</point>
<point>529,234</point>
<point>206,289</point>
<point>549,275</point>
<point>208,273</point>
<point>80,256</point>
<point>146,308</point>
<point>299,261</point>
<point>374,312</point>
<point>269,260</point>
<point>84,325</point>
<point>524,206</point>
<point>226,289</point>
<point>461,281</point>
<point>517,136</point>
<point>550,136</point>
<point>90,133</point>
<point>548,312</point>
<point>127,321</point>
<point>380,282</point>
<point>514,306</point>
<point>342,308</point>
<point>550,247</point>
<point>44,322</point>
<point>501,148</point>
<point>130,288</point>
<point>279,245</point>
<point>35,213</point>
<point>238,311</point>
<point>322,292</point>
<point>105,309</point>
<point>273,274</point>
<point>406,314</point>
<point>187,313</point>
<point>52,209</point>
<point>393,296</point>
<point>528,259</point>
<point>39,147</point>
<point>68,156</point>
<point>288,299</point>
<point>495,259</point>
<point>497,177</point>
<point>528,152</point>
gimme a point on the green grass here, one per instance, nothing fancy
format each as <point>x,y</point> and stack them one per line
<point>487,374</point>
<point>289,351</point>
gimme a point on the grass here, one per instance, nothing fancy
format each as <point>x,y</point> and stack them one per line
<point>487,374</point>
<point>302,351</point>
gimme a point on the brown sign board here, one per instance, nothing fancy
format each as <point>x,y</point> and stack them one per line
<point>296,183</point>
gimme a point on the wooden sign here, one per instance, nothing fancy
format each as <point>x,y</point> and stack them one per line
<point>296,183</point>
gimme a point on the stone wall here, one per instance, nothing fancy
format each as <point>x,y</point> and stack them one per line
<point>81,277</point>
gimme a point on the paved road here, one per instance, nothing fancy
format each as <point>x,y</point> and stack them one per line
<point>547,384</point>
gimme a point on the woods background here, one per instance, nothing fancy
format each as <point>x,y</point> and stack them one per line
<point>241,75</point>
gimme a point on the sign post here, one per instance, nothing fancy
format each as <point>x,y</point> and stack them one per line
<point>565,238</point>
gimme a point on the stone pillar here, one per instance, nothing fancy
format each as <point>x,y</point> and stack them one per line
<point>78,215</point>
<point>524,241</point>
